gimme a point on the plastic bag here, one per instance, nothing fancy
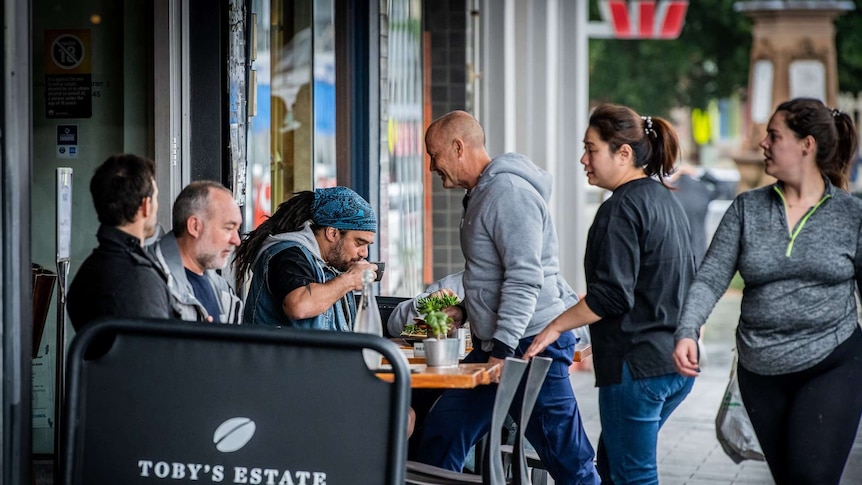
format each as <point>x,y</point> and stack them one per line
<point>733,427</point>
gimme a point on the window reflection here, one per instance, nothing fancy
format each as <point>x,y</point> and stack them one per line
<point>292,129</point>
<point>403,181</point>
<point>258,204</point>
<point>292,135</point>
<point>324,94</point>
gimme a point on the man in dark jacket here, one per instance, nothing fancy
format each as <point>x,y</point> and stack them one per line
<point>119,278</point>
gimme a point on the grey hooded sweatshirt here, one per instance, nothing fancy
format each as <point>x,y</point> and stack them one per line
<point>513,287</point>
<point>166,252</point>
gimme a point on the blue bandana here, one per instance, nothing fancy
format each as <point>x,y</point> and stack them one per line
<point>342,208</point>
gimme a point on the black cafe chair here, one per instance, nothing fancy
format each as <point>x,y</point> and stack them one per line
<point>538,474</point>
<point>493,470</point>
<point>166,401</point>
<point>524,462</point>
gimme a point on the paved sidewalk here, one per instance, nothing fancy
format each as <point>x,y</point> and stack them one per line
<point>688,452</point>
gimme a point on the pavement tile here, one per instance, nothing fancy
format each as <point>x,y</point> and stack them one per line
<point>692,481</point>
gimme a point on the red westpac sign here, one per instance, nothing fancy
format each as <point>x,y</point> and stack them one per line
<point>644,19</point>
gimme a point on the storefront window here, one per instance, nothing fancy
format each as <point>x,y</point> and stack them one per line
<point>260,134</point>
<point>291,141</point>
<point>324,94</point>
<point>403,178</point>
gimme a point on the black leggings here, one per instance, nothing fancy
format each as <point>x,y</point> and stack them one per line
<point>806,421</point>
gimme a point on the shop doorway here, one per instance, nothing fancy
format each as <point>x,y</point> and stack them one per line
<point>92,78</point>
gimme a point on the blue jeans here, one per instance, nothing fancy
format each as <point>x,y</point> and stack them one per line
<point>462,416</point>
<point>632,413</point>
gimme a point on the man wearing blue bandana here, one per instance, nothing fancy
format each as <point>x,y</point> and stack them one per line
<point>306,260</point>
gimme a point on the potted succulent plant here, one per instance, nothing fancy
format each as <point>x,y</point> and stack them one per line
<point>439,350</point>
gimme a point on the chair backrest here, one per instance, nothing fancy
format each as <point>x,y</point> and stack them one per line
<point>493,472</point>
<point>510,378</point>
<point>387,305</point>
<point>202,403</point>
<point>535,378</point>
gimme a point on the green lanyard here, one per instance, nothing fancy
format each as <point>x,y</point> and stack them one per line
<point>802,222</point>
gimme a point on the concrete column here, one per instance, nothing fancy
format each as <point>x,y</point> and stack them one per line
<point>534,101</point>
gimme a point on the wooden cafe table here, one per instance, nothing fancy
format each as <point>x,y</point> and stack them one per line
<point>464,376</point>
<point>582,351</point>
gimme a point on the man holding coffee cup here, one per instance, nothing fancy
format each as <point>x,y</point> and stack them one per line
<point>307,259</point>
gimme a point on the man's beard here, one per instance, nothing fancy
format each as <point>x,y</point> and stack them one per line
<point>335,259</point>
<point>209,261</point>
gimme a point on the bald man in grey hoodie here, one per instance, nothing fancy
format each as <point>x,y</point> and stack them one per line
<point>513,290</point>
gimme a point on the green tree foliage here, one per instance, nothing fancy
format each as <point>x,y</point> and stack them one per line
<point>709,60</point>
<point>848,44</point>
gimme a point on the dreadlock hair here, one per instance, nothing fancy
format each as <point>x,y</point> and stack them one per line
<point>290,216</point>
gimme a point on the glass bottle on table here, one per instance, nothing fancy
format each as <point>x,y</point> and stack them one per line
<point>368,318</point>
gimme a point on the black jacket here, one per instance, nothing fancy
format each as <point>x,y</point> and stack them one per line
<point>638,265</point>
<point>118,279</point>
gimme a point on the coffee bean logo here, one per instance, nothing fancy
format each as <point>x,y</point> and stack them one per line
<point>233,434</point>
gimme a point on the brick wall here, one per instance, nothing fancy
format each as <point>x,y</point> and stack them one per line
<point>446,22</point>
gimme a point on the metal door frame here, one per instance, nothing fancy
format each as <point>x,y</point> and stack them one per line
<point>15,298</point>
<point>171,111</point>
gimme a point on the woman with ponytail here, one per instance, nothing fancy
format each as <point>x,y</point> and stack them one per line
<point>798,245</point>
<point>638,265</point>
